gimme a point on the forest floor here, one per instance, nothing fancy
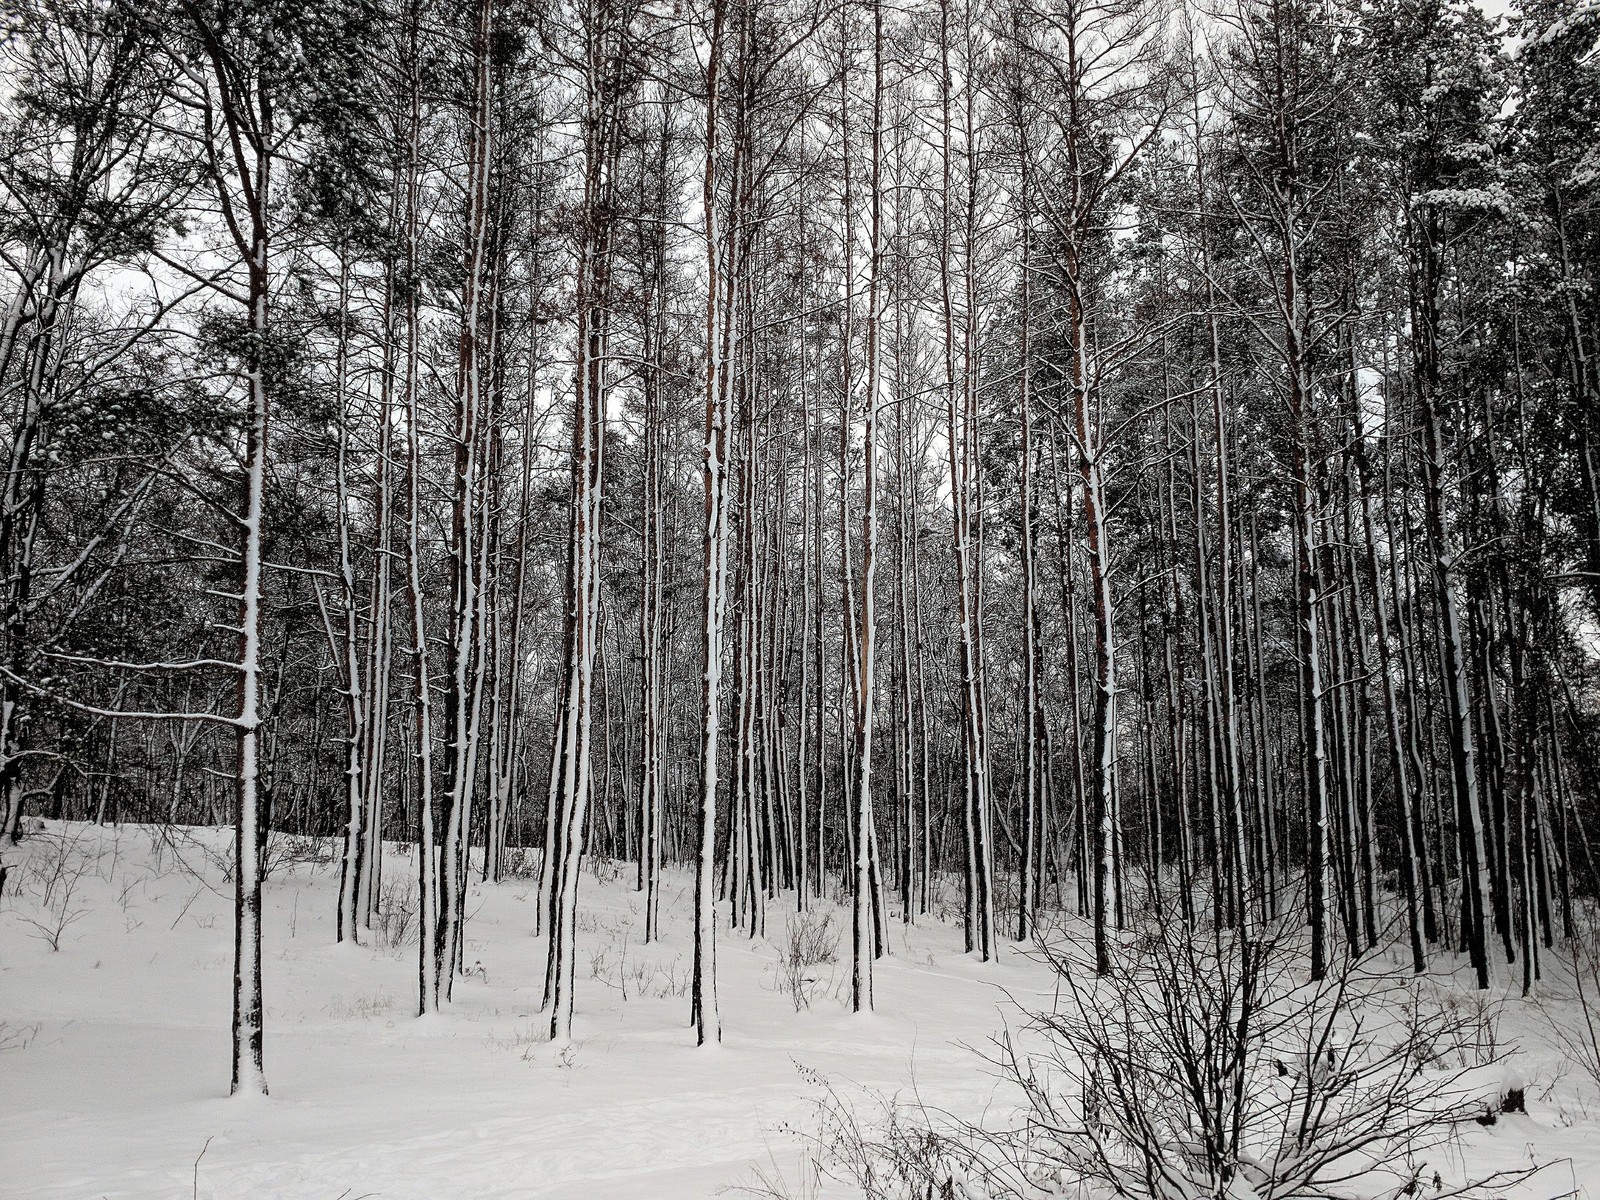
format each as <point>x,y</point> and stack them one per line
<point>114,1047</point>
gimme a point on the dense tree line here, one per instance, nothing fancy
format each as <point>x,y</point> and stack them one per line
<point>1064,454</point>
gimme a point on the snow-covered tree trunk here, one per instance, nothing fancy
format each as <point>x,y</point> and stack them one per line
<point>719,333</point>
<point>469,480</point>
<point>652,786</point>
<point>238,139</point>
<point>249,824</point>
<point>379,664</point>
<point>864,915</point>
<point>604,33</point>
<point>347,643</point>
<point>1034,729</point>
<point>961,448</point>
<point>421,674</point>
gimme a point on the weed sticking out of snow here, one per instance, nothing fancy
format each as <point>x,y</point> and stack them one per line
<point>17,1037</point>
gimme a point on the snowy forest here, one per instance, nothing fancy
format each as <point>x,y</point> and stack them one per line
<point>1113,485</point>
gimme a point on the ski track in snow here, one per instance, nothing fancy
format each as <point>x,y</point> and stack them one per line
<point>121,1084</point>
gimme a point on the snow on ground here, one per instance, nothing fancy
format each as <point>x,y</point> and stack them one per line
<point>122,1081</point>
<point>114,1049</point>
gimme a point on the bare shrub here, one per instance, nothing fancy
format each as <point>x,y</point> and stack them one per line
<point>56,863</point>
<point>291,850</point>
<point>642,975</point>
<point>363,1008</point>
<point>605,870</point>
<point>946,899</point>
<point>56,867</point>
<point>810,942</point>
<point>771,1181</point>
<point>395,914</point>
<point>1207,1063</point>
<point>520,862</point>
<point>660,979</point>
<point>1470,1034</point>
<point>51,924</point>
<point>192,852</point>
<point>885,1147</point>
<point>593,922</point>
<point>607,961</point>
<point>524,1042</point>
